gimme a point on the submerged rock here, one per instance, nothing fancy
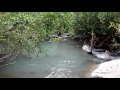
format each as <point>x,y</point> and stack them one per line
<point>110,69</point>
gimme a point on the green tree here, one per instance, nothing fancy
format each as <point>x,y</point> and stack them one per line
<point>25,31</point>
<point>98,22</point>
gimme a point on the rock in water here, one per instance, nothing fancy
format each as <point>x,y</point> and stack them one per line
<point>103,55</point>
<point>54,36</point>
<point>86,48</point>
<point>110,69</point>
<point>64,39</point>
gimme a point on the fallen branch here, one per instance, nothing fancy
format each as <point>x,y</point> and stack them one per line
<point>8,58</point>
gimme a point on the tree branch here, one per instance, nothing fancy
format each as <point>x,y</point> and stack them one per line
<point>10,29</point>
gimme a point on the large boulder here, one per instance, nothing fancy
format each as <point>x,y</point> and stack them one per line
<point>110,69</point>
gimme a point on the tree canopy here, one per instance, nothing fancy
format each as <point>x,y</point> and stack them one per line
<point>105,26</point>
<point>25,31</point>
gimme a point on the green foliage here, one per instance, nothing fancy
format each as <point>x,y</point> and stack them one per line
<point>19,32</point>
<point>58,22</point>
<point>55,39</point>
<point>25,31</point>
<point>99,22</point>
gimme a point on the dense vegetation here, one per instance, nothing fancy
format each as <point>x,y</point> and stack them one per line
<point>25,31</point>
<point>101,28</point>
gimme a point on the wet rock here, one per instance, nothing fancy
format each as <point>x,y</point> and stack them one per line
<point>86,48</point>
<point>59,34</point>
<point>110,69</point>
<point>54,36</point>
<point>64,40</point>
<point>98,50</point>
<point>103,55</point>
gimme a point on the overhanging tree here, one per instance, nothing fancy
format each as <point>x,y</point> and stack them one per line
<point>25,31</point>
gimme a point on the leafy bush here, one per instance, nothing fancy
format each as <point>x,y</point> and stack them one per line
<point>98,22</point>
<point>25,31</point>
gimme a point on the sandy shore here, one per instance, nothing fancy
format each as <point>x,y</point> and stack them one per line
<point>89,71</point>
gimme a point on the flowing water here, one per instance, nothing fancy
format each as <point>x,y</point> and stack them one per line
<point>64,60</point>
